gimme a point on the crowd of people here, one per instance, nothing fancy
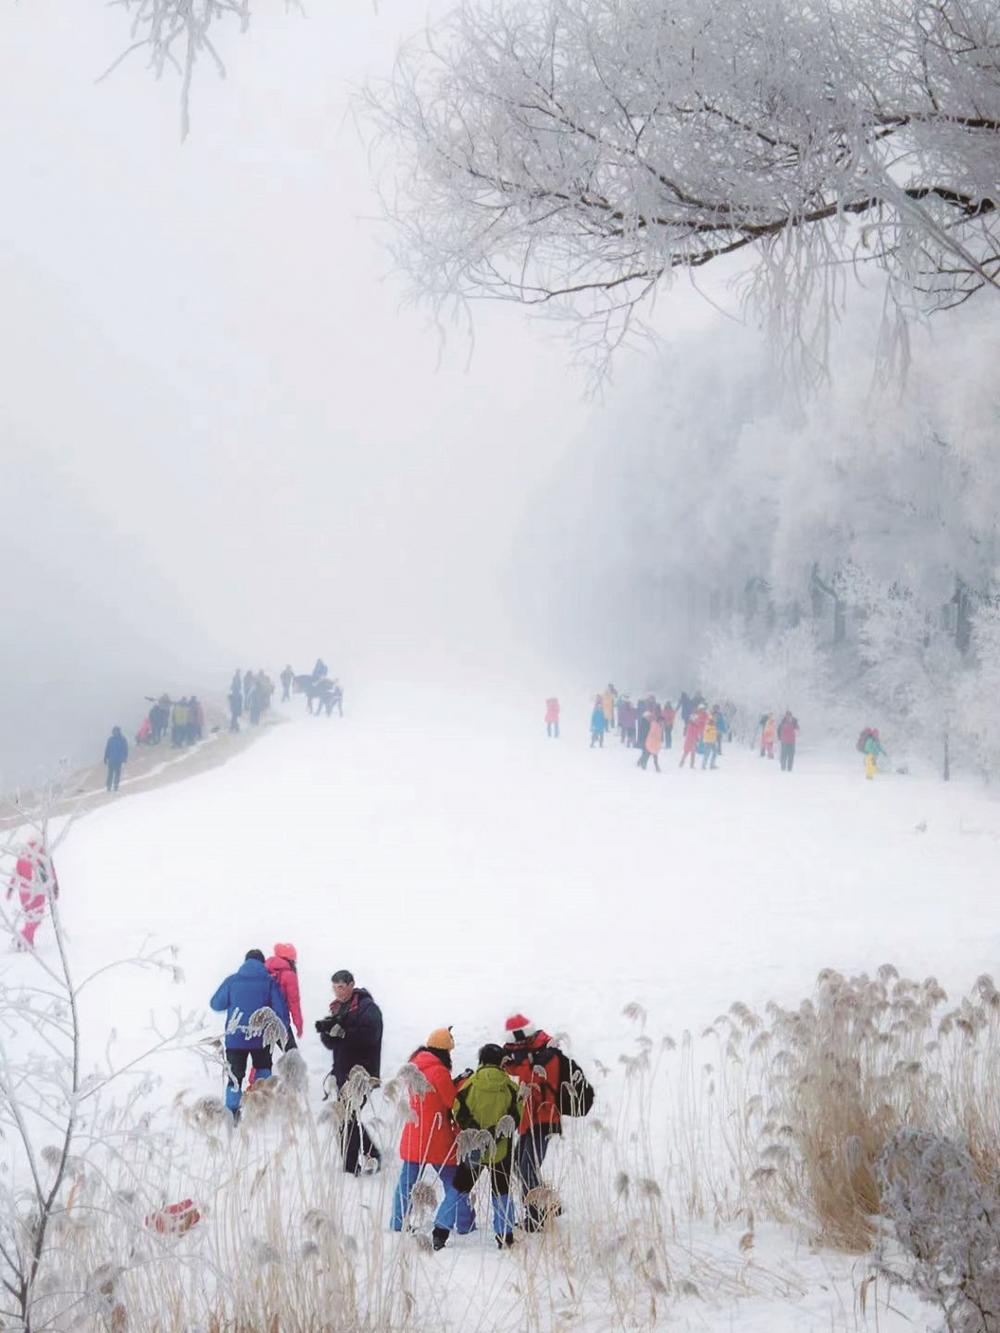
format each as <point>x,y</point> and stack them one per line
<point>250,693</point>
<point>648,726</point>
<point>518,1092</point>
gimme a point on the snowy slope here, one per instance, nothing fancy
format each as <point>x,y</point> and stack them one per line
<point>464,866</point>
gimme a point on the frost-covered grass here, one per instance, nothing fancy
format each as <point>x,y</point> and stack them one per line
<point>463,866</point>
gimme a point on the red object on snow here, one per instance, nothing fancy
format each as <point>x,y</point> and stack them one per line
<point>175,1218</point>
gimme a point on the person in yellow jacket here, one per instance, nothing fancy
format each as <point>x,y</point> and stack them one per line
<point>608,705</point>
<point>710,740</point>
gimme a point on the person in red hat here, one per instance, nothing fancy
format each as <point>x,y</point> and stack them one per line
<point>531,1058</point>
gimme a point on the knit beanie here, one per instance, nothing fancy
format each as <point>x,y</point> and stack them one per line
<point>286,951</point>
<point>520,1027</point>
<point>441,1040</point>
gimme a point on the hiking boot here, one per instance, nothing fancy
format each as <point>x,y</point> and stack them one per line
<point>439,1237</point>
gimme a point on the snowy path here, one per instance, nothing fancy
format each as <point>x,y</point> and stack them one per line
<point>463,865</point>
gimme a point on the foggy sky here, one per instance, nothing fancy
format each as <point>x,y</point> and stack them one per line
<point>225,440</point>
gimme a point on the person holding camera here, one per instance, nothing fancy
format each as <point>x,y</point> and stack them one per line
<point>353,1032</point>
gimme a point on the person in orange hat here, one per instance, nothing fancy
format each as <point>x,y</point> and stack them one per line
<point>430,1134</point>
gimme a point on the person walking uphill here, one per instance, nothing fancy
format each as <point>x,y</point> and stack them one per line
<point>871,747</point>
<point>598,724</point>
<point>486,1101</point>
<point>241,997</point>
<point>353,1032</point>
<point>429,1137</point>
<point>788,729</point>
<point>286,678</point>
<point>115,754</point>
<point>652,744</point>
<point>530,1057</point>
<point>552,718</point>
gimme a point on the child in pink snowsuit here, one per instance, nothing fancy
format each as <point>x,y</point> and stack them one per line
<point>35,879</point>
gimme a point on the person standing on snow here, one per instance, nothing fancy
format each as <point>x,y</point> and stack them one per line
<point>598,724</point>
<point>667,715</point>
<point>284,969</point>
<point>283,966</point>
<point>115,754</point>
<point>429,1138</point>
<point>788,729</point>
<point>286,678</point>
<point>768,732</point>
<point>235,701</point>
<point>552,718</point>
<point>241,996</point>
<point>353,1032</point>
<point>35,880</point>
<point>710,740</point>
<point>531,1058</point>
<point>608,699</point>
<point>485,1101</point>
<point>652,743</point>
<point>871,749</point>
<point>692,737</point>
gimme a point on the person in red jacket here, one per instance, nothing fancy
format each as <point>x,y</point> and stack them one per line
<point>35,880</point>
<point>430,1134</point>
<point>531,1058</point>
<point>552,718</point>
<point>667,715</point>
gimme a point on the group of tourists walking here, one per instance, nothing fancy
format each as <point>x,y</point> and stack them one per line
<point>516,1096</point>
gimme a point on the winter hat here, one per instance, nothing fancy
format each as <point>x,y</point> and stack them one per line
<point>520,1027</point>
<point>286,951</point>
<point>441,1040</point>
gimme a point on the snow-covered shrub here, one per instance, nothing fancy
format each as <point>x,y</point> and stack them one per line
<point>945,1215</point>
<point>819,1090</point>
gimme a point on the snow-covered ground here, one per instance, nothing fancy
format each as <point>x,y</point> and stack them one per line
<point>464,867</point>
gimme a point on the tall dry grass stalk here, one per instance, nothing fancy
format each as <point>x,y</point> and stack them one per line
<point>288,1244</point>
<point>805,1102</point>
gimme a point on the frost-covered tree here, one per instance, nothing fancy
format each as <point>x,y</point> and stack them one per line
<point>77,1146</point>
<point>578,153</point>
<point>977,712</point>
<point>178,34</point>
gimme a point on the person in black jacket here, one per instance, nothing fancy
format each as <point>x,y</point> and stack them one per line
<point>115,754</point>
<point>353,1032</point>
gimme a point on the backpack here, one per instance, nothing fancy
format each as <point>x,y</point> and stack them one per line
<point>860,747</point>
<point>575,1094</point>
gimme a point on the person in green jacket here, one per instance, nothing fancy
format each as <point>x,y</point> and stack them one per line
<point>487,1100</point>
<point>872,748</point>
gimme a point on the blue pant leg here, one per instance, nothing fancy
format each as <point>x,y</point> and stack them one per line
<point>447,1214</point>
<point>503,1214</point>
<point>457,1207</point>
<point>409,1174</point>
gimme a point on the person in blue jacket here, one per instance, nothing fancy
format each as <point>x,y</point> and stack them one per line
<point>598,723</point>
<point>250,988</point>
<point>115,754</point>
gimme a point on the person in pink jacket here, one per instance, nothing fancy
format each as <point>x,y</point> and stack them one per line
<point>692,735</point>
<point>552,718</point>
<point>283,966</point>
